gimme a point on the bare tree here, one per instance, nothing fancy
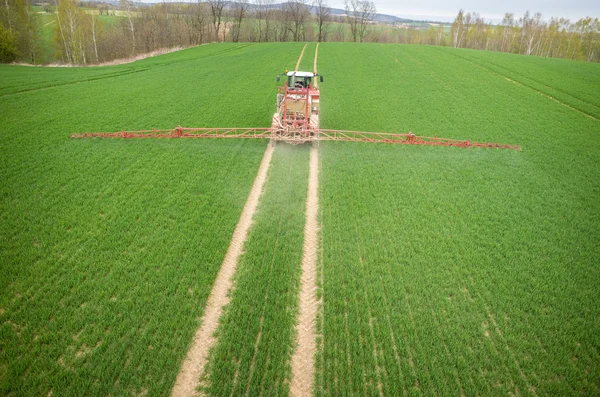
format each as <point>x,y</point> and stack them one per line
<point>269,14</point>
<point>240,8</point>
<point>457,29</point>
<point>530,29</point>
<point>264,16</point>
<point>128,7</point>
<point>298,11</point>
<point>199,20</point>
<point>359,14</point>
<point>367,11</point>
<point>323,19</point>
<point>508,23</point>
<point>94,29</point>
<point>216,8</point>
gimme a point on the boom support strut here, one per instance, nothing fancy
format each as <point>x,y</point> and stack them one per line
<point>277,135</point>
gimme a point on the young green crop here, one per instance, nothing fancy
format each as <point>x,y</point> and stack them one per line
<point>256,334</point>
<point>450,271</point>
<point>444,270</point>
<point>557,78</point>
<point>110,247</point>
<point>307,63</point>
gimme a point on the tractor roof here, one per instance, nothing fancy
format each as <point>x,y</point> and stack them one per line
<point>301,74</point>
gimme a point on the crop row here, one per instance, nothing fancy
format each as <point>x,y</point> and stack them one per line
<point>448,271</point>
<point>575,84</point>
<point>110,247</point>
<point>256,333</point>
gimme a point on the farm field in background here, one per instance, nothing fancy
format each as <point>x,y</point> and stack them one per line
<point>109,248</point>
<point>442,270</point>
<point>449,271</point>
<point>576,86</point>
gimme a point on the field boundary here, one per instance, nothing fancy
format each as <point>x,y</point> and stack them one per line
<point>195,361</point>
<point>114,62</point>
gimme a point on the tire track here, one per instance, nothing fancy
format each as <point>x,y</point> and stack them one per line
<point>527,86</point>
<point>193,365</point>
<point>300,57</point>
<point>303,363</point>
<point>315,65</point>
<point>303,358</point>
<point>195,361</point>
<point>91,79</point>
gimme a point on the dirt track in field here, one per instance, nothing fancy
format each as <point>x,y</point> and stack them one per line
<point>303,364</point>
<point>303,358</point>
<point>300,57</point>
<point>315,64</point>
<point>195,362</point>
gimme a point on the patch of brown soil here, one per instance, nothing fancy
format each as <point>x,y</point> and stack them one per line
<point>195,361</point>
<point>303,359</point>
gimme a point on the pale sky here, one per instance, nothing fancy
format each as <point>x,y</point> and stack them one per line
<point>490,10</point>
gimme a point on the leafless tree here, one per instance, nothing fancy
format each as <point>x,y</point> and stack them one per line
<point>93,19</point>
<point>264,18</point>
<point>299,12</point>
<point>530,29</point>
<point>199,20</point>
<point>128,7</point>
<point>216,8</point>
<point>240,8</point>
<point>358,14</point>
<point>508,22</point>
<point>323,19</point>
<point>80,38</point>
<point>457,29</point>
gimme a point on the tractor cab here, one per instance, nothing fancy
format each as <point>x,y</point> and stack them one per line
<point>299,79</point>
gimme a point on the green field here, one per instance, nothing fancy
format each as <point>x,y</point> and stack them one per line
<point>450,271</point>
<point>256,334</point>
<point>443,271</point>
<point>110,248</point>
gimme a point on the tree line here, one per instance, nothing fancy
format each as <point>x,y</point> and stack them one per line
<point>530,35</point>
<point>83,34</point>
<point>92,33</point>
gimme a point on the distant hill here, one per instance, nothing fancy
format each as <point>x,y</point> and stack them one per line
<point>383,18</point>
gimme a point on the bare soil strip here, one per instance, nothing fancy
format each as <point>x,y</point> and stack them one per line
<point>195,361</point>
<point>300,57</point>
<point>315,65</point>
<point>303,359</point>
